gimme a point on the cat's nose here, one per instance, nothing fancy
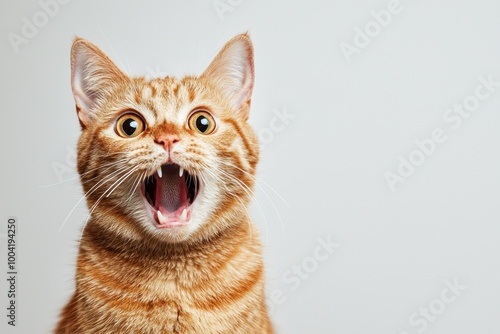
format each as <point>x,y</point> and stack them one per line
<point>167,140</point>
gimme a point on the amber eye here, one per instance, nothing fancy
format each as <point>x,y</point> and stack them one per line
<point>129,125</point>
<point>202,122</point>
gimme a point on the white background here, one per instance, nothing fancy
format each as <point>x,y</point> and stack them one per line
<point>321,174</point>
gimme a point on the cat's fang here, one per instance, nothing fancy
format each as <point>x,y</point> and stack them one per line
<point>161,217</point>
<point>183,216</point>
<point>159,172</point>
<point>181,171</point>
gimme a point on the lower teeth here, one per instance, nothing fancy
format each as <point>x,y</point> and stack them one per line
<point>183,216</point>
<point>161,217</point>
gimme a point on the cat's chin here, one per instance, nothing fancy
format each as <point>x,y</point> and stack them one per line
<point>170,195</point>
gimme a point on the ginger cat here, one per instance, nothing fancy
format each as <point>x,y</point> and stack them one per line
<point>167,166</point>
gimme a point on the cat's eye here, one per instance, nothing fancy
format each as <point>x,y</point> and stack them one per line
<point>202,122</point>
<point>129,125</point>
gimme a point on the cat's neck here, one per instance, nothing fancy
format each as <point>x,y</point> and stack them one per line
<point>98,238</point>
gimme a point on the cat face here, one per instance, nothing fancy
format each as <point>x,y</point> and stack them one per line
<point>168,159</point>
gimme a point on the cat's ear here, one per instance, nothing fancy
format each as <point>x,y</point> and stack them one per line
<point>232,71</point>
<point>93,77</point>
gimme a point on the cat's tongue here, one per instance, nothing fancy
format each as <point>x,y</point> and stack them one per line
<point>171,190</point>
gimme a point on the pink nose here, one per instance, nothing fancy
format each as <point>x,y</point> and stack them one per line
<point>167,140</point>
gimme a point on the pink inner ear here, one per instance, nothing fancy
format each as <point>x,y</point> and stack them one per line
<point>232,71</point>
<point>79,77</point>
<point>92,75</point>
<point>82,100</point>
<point>246,89</point>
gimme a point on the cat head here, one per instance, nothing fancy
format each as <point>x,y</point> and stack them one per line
<point>167,159</point>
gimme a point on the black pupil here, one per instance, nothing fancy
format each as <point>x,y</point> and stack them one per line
<point>130,126</point>
<point>202,123</point>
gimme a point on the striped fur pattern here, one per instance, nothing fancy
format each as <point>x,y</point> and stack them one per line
<point>203,275</point>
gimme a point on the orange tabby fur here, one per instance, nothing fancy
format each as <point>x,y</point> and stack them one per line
<point>133,277</point>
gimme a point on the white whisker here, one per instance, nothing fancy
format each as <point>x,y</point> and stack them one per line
<point>122,178</point>
<point>265,193</point>
<point>247,190</point>
<point>90,191</point>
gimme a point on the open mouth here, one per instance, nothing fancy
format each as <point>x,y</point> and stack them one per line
<point>170,194</point>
